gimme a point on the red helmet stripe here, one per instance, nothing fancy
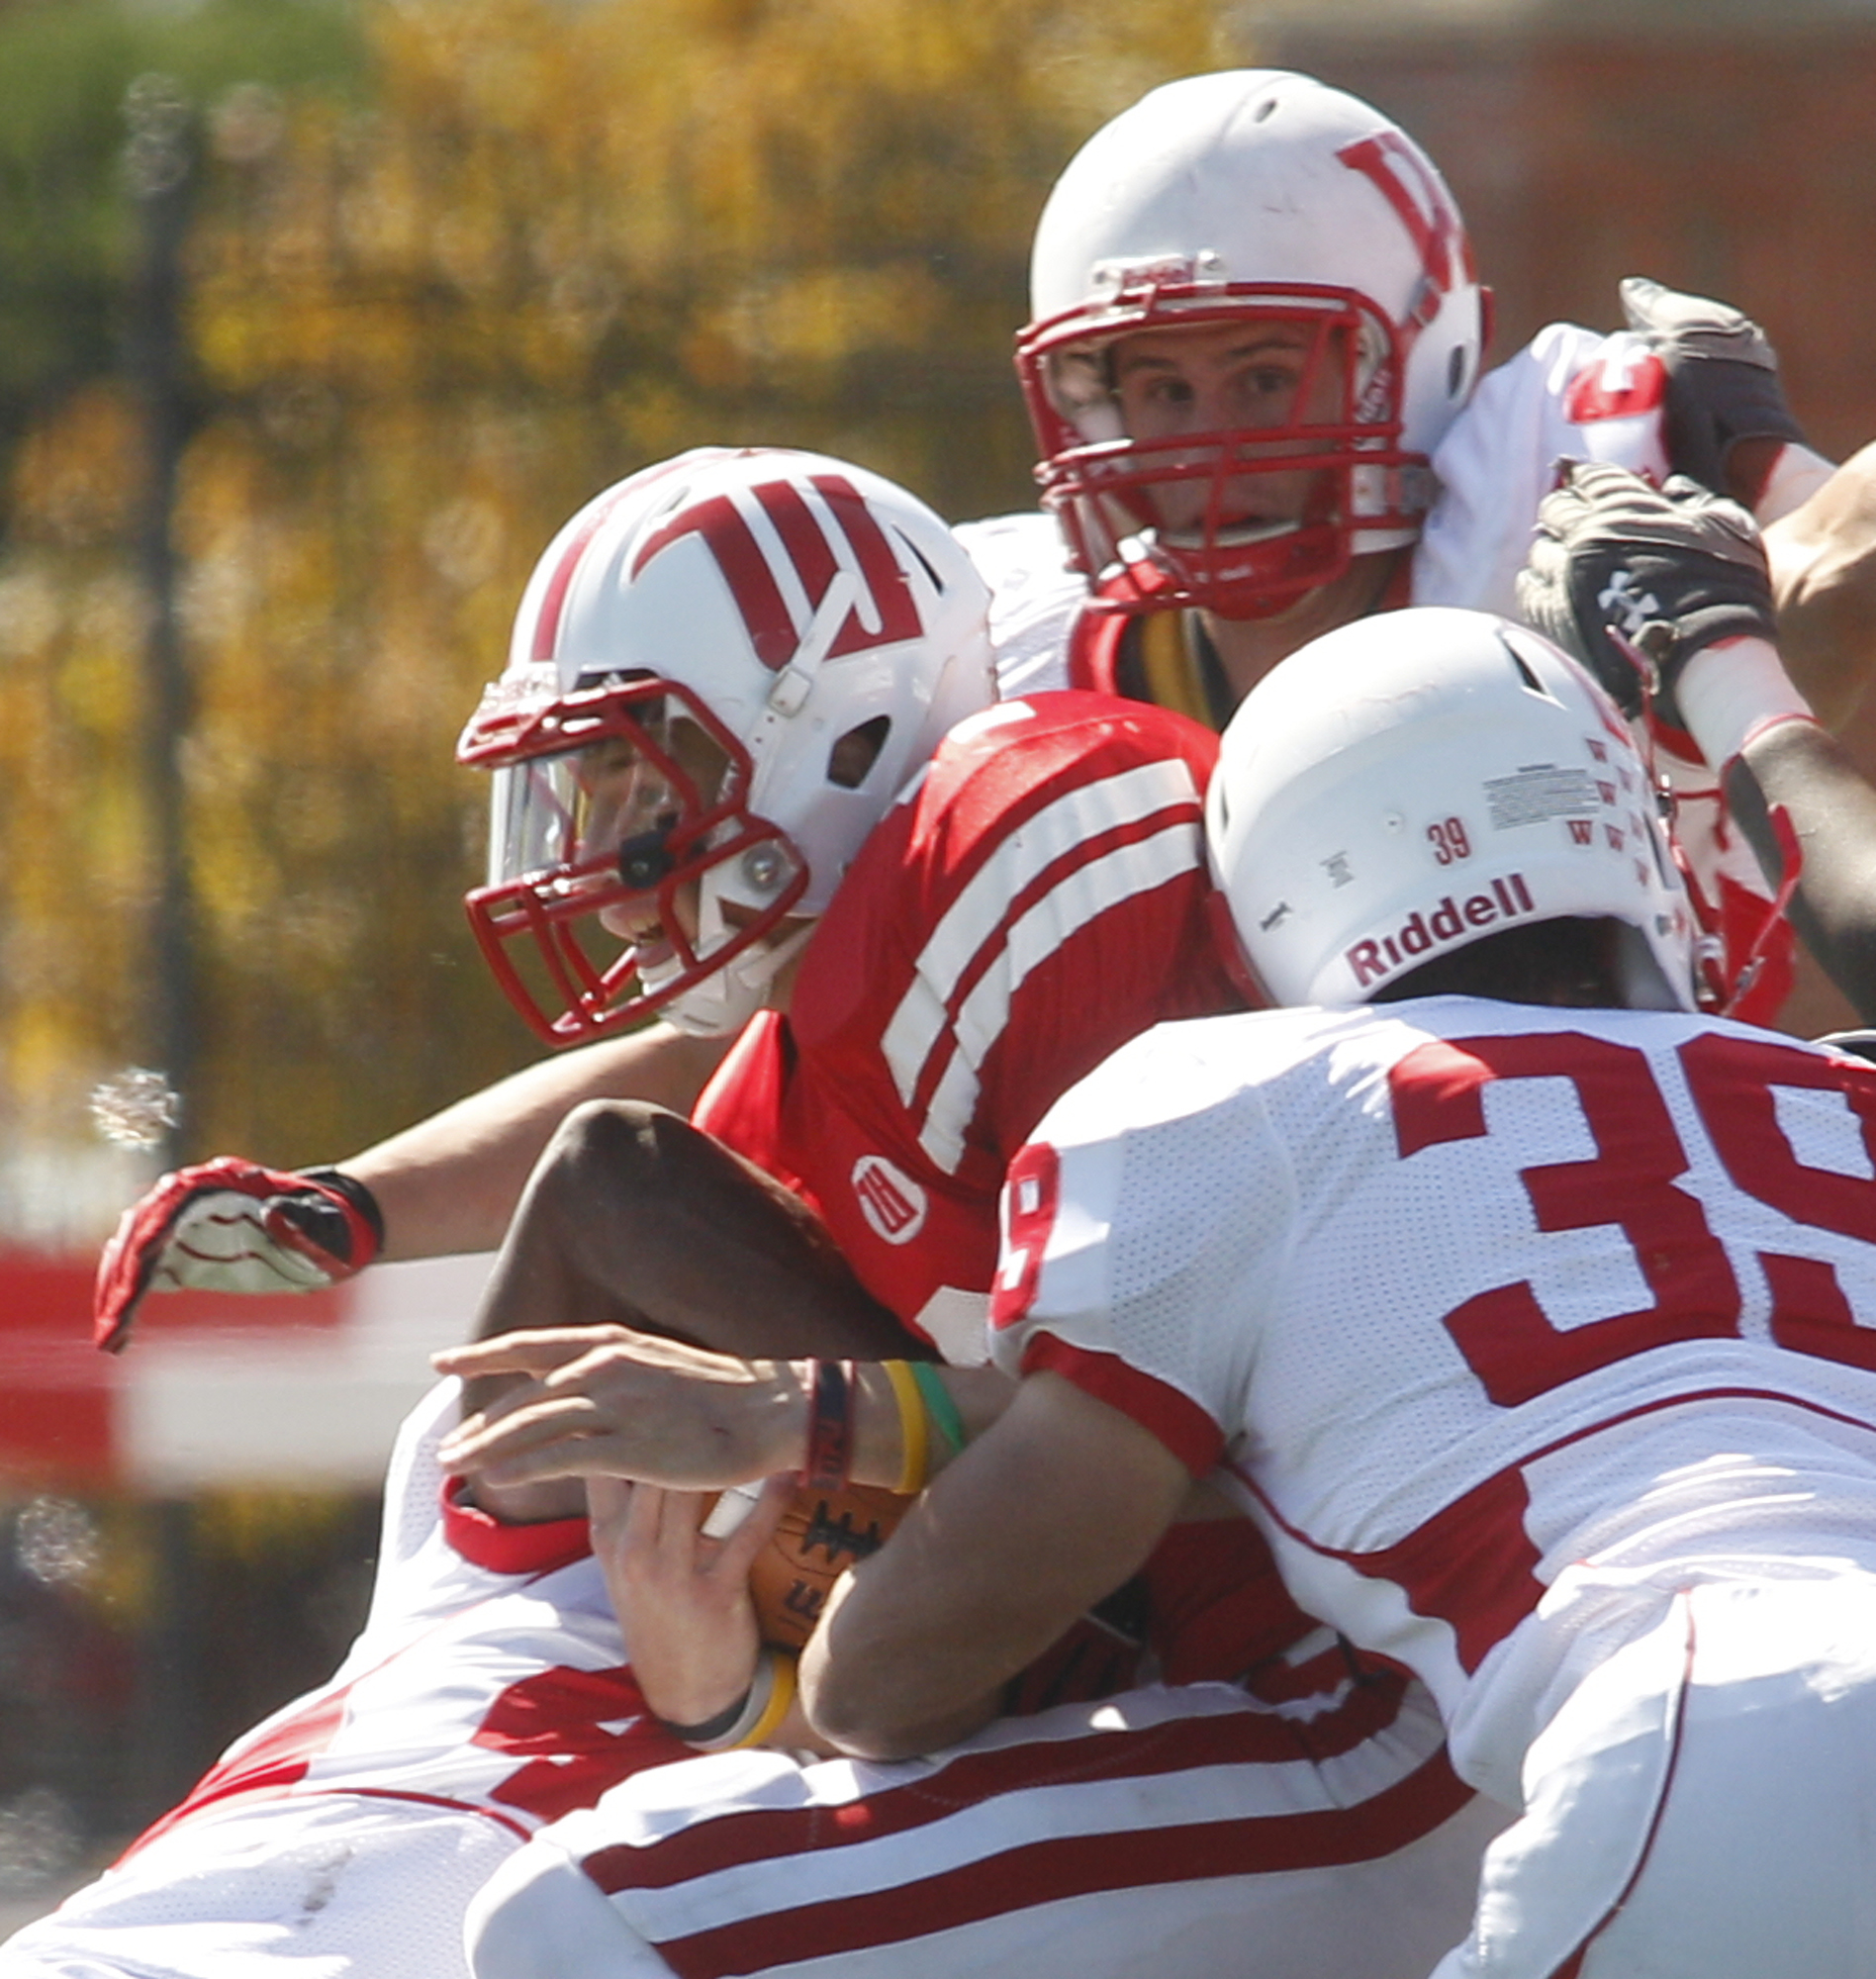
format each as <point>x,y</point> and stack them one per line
<point>1419,197</point>
<point>729,540</point>
<point>804,536</point>
<point>891,595</point>
<point>554,601</point>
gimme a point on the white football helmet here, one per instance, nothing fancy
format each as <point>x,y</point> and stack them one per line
<point>722,670</point>
<point>1248,194</point>
<point>1419,780</point>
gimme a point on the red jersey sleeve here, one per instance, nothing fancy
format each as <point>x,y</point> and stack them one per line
<point>742,1104</point>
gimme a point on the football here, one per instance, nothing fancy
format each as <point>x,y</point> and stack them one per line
<point>821,1535</point>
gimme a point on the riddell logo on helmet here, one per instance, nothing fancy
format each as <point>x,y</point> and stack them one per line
<point>1162,271</point>
<point>1377,957</point>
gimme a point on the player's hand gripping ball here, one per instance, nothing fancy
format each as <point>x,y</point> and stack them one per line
<point>821,1535</point>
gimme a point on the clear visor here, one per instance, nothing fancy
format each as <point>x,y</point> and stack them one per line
<point>572,810</point>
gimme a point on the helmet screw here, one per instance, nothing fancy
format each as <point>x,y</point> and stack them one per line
<point>764,866</point>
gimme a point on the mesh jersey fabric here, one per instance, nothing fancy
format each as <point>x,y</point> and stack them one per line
<point>1468,1292</point>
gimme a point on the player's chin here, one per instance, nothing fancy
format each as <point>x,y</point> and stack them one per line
<point>650,947</point>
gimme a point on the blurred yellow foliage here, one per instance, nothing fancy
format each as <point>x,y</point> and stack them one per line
<point>557,240</point>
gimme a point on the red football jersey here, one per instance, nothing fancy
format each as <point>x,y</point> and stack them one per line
<point>1037,898</point>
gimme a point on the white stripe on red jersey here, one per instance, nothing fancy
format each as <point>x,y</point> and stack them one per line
<point>979,943</point>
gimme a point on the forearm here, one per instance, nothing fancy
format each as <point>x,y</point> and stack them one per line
<point>1747,715</point>
<point>1833,808</point>
<point>608,1401</point>
<point>1778,477</point>
<point>1822,559</point>
<point>885,1428</point>
<point>931,1686</point>
<point>450,1182</point>
<point>1056,1505</point>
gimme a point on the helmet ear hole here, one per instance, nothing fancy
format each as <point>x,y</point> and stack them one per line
<point>850,761</point>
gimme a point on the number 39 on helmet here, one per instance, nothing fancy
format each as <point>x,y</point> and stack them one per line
<point>722,670</point>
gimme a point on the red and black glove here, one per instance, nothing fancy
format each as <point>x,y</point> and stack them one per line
<point>230,1226</point>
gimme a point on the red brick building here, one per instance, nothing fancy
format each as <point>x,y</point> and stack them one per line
<point>1724,147</point>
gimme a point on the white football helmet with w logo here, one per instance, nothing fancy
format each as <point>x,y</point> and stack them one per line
<point>722,670</point>
<point>1249,195</point>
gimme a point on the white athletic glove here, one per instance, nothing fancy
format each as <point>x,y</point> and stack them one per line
<point>1723,383</point>
<point>1673,570</point>
<point>230,1226</point>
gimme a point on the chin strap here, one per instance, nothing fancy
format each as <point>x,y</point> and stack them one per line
<point>724,1000</point>
<point>1791,856</point>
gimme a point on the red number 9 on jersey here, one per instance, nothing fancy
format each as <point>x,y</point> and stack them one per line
<point>1030,1193</point>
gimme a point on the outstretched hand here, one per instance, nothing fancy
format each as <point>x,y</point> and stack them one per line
<point>610,1401</point>
<point>232,1226</point>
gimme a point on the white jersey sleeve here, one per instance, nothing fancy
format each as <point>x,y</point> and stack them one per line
<point>1154,1190</point>
<point>1034,598</point>
<point>1570,393</point>
<point>490,1678</point>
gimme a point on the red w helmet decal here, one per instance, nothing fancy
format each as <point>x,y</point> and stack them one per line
<point>884,612</point>
<point>554,601</point>
<point>1425,208</point>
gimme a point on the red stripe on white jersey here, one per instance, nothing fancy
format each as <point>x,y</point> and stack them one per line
<point>1075,1865</point>
<point>1473,1563</point>
<point>1034,1755</point>
<point>1238,1792</point>
<point>1155,1406</point>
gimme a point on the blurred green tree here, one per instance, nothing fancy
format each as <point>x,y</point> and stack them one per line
<point>434,300</point>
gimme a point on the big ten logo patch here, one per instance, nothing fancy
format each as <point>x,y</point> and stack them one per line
<point>892,1204</point>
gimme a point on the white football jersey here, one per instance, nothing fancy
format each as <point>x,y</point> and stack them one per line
<point>486,1694</point>
<point>1463,1294</point>
<point>1035,598</point>
<point>490,1675</point>
<point>1570,393</point>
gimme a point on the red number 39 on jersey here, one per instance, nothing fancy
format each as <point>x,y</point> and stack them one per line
<point>1632,1184</point>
